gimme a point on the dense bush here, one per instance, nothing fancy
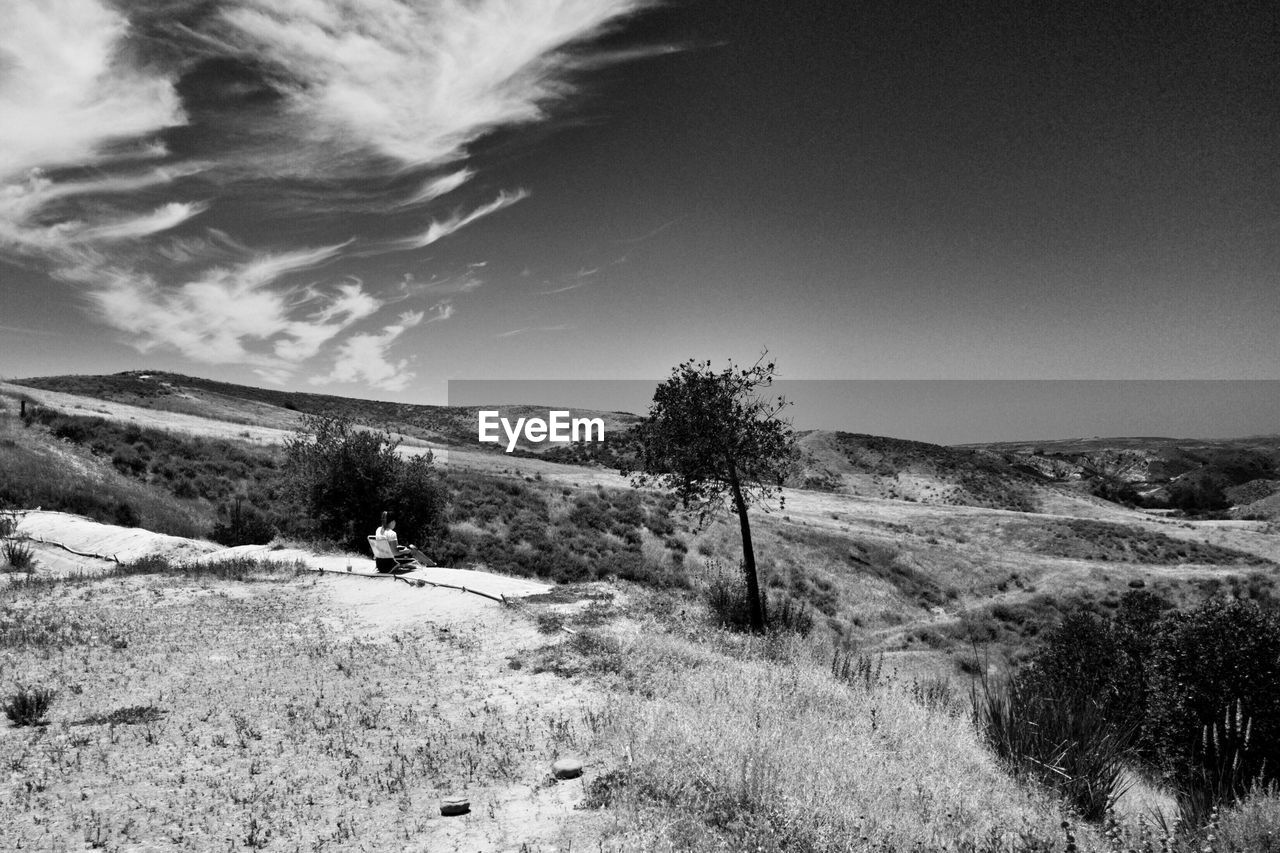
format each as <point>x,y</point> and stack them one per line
<point>242,523</point>
<point>1062,738</point>
<point>18,555</point>
<point>1213,712</point>
<point>1196,693</point>
<point>343,477</point>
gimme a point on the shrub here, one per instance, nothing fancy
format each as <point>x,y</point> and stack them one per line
<point>1087,656</point>
<point>28,705</point>
<point>343,476</point>
<point>18,555</point>
<point>1063,740</point>
<point>726,597</point>
<point>1199,691</point>
<point>1213,715</point>
<point>790,616</point>
<point>242,523</point>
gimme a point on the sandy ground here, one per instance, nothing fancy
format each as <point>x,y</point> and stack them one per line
<point>75,544</point>
<point>472,638</point>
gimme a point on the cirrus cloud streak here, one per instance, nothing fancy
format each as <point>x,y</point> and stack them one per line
<point>345,115</point>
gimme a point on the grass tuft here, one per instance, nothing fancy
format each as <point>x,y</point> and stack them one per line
<point>1065,742</point>
<point>18,555</point>
<point>28,706</point>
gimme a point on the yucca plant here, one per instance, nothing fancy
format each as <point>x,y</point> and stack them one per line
<point>1225,768</point>
<point>1063,740</point>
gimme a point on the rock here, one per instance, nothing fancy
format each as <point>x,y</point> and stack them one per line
<point>567,768</point>
<point>450,806</point>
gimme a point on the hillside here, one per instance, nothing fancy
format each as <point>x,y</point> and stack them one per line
<point>450,426</point>
<point>1241,475</point>
<point>1236,476</point>
<point>897,469</point>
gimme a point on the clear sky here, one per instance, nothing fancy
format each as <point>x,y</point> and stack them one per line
<point>372,197</point>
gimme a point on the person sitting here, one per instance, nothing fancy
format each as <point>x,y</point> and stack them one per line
<point>387,533</point>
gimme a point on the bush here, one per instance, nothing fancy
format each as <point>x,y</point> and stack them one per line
<point>1087,656</point>
<point>1064,740</point>
<point>343,477</point>
<point>726,597</point>
<point>1198,690</point>
<point>1213,715</point>
<point>18,555</point>
<point>242,523</point>
<point>790,616</point>
<point>28,705</point>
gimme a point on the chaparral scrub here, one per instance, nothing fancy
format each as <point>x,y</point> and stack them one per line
<point>734,743</point>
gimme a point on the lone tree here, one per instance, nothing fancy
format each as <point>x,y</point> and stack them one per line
<point>710,437</point>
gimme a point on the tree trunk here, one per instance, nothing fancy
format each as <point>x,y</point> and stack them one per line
<point>755,604</point>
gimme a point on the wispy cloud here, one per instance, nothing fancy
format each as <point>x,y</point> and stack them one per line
<point>230,314</point>
<point>436,187</point>
<point>441,228</point>
<point>364,358</point>
<point>65,90</point>
<point>451,285</point>
<point>326,115</point>
<point>579,279</point>
<point>418,82</point>
<point>163,218</point>
<point>513,332</point>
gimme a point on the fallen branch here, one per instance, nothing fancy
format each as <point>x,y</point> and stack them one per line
<point>109,557</point>
<point>501,599</point>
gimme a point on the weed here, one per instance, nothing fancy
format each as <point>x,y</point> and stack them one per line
<point>28,706</point>
<point>859,670</point>
<point>130,716</point>
<point>18,555</point>
<point>549,622</point>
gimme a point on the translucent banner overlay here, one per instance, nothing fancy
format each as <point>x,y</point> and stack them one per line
<point>936,411</point>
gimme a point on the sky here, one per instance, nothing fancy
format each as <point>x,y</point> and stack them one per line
<point>373,198</point>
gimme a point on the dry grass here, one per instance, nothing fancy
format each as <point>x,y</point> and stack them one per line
<point>200,713</point>
<point>762,747</point>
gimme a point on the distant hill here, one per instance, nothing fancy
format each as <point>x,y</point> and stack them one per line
<point>447,425</point>
<point>1241,475</point>
<point>875,466</point>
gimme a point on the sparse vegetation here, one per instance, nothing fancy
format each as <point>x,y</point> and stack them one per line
<point>532,529</point>
<point>697,735</point>
<point>1086,539</point>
